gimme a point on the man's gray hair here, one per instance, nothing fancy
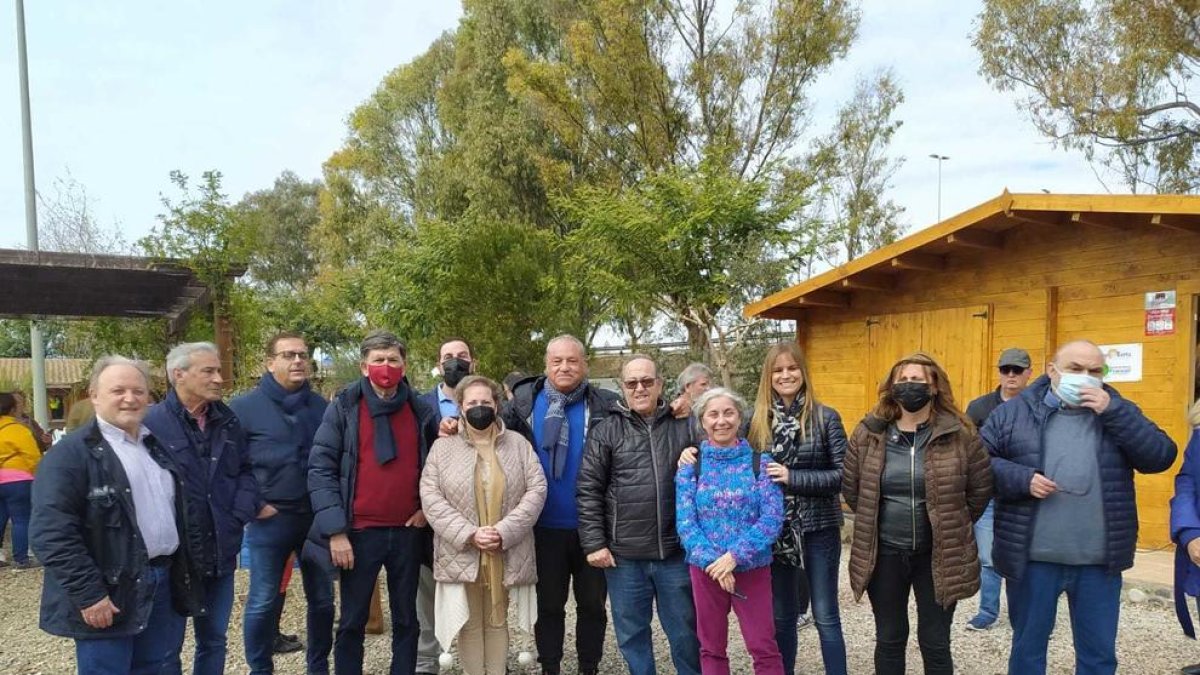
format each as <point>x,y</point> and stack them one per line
<point>715,393</point>
<point>382,339</point>
<point>180,356</point>
<point>693,372</point>
<point>106,362</point>
<point>567,337</point>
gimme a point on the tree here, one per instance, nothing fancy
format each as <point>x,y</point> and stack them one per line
<point>693,245</point>
<point>852,172</point>
<point>278,223</point>
<point>1114,79</point>
<point>67,223</point>
<point>201,229</point>
<point>643,86</point>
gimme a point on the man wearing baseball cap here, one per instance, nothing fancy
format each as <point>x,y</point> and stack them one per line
<point>1015,368</point>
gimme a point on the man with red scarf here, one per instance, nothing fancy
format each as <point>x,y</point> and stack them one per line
<point>363,478</point>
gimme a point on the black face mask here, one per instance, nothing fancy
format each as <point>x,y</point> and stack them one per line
<point>481,417</point>
<point>912,396</point>
<point>454,370</point>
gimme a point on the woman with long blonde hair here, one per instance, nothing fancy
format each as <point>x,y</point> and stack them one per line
<point>807,444</point>
<point>917,477</point>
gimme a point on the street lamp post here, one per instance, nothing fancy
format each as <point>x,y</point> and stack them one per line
<point>940,159</point>
<point>37,346</point>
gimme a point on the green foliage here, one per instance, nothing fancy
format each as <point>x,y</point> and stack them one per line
<point>277,223</point>
<point>1111,78</point>
<point>852,172</point>
<point>492,281</point>
<point>644,85</point>
<point>688,244</point>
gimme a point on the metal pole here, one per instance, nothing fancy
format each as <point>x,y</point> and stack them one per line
<point>37,346</point>
<point>940,159</point>
<point>939,209</point>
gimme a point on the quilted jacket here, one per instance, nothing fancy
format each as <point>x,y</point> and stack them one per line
<point>448,499</point>
<point>1013,435</point>
<point>626,489</point>
<point>958,485</point>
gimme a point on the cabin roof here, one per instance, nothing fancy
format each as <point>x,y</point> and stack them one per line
<point>980,228</point>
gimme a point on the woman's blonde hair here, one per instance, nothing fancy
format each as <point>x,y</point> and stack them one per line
<point>1194,417</point>
<point>943,397</point>
<point>761,436</point>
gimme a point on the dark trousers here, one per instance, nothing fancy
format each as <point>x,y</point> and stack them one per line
<point>561,563</point>
<point>896,573</point>
<point>153,651</point>
<point>790,586</point>
<point>271,543</point>
<point>398,551</point>
<point>16,504</point>
<point>210,629</point>
<point>1094,600</point>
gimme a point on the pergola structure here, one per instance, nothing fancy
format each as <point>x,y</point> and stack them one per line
<point>43,285</point>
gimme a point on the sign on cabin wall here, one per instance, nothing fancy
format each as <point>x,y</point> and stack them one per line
<point>1122,363</point>
<point>1160,313</point>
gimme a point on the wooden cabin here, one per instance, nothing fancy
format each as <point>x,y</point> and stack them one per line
<point>1021,270</point>
<point>66,383</point>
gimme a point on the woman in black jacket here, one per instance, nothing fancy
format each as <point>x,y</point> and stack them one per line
<point>807,442</point>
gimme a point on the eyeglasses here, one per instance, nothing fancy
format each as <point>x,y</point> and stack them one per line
<point>1068,481</point>
<point>645,383</point>
<point>1011,370</point>
<point>292,356</point>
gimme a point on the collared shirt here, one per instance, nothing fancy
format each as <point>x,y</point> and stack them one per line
<point>152,487</point>
<point>446,405</point>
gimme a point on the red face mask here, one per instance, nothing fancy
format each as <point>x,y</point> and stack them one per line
<point>384,375</point>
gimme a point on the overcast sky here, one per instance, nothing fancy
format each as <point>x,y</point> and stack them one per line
<point>124,92</point>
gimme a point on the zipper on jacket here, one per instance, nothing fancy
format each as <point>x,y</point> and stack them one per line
<point>912,486</point>
<point>657,491</point>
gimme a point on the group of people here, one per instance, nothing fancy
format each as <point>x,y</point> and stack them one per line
<point>483,502</point>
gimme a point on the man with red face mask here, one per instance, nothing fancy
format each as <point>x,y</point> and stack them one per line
<point>363,480</point>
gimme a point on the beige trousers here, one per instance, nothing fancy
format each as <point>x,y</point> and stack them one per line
<point>482,648</point>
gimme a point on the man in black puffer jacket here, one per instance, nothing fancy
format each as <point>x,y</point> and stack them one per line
<point>626,501</point>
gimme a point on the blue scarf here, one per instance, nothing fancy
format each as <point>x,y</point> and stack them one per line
<point>302,418</point>
<point>556,430</point>
<point>381,410</point>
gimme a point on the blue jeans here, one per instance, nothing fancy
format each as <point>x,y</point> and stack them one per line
<point>271,543</point>
<point>154,651</point>
<point>634,587</point>
<point>397,550</point>
<point>210,628</point>
<point>15,503</point>
<point>822,555</point>
<point>989,579</point>
<point>1094,598</point>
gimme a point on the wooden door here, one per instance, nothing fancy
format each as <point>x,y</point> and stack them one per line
<point>958,338</point>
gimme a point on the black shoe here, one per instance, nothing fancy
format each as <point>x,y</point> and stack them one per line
<point>589,671</point>
<point>1193,669</point>
<point>284,646</point>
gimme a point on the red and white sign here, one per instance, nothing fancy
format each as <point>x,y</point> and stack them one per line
<point>1160,313</point>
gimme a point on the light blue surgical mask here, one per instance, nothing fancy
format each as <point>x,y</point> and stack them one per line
<point>1069,385</point>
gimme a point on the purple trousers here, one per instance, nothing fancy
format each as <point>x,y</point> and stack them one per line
<point>756,618</point>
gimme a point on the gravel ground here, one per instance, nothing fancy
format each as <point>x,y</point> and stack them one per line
<point>1150,640</point>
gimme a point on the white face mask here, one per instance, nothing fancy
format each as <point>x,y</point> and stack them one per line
<point>1069,385</point>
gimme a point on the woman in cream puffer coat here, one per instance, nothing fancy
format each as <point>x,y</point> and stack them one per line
<point>482,490</point>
